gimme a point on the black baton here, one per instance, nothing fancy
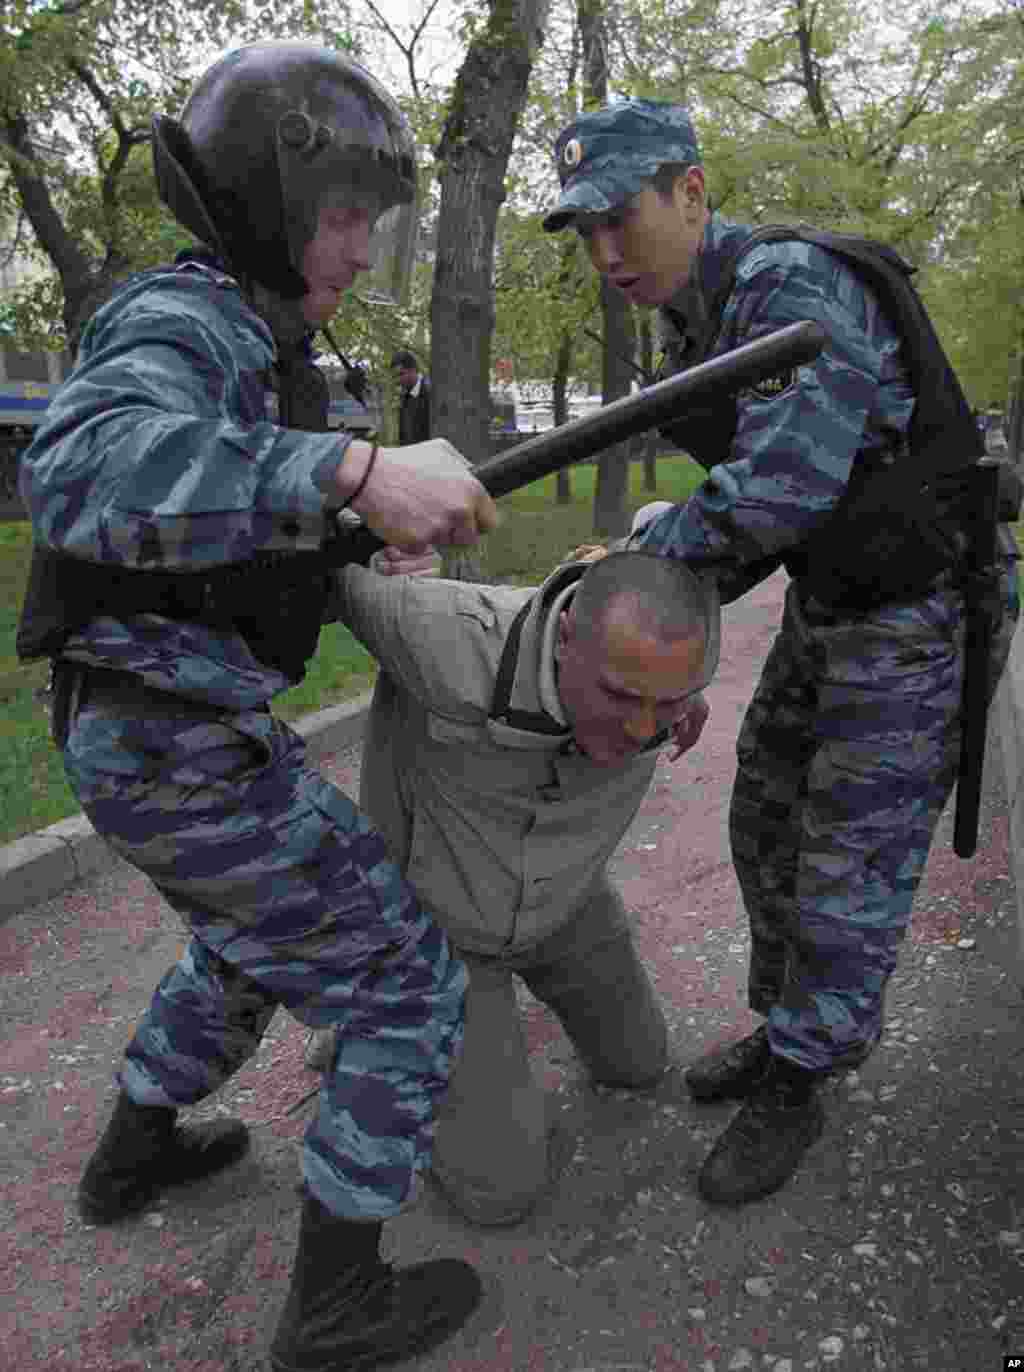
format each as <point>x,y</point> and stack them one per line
<point>980,603</point>
<point>646,409</point>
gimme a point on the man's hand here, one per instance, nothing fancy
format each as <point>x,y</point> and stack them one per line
<point>587,552</point>
<point>396,562</point>
<point>689,726</point>
<point>418,495</point>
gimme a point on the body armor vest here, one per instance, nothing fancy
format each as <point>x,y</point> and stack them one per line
<point>896,527</point>
<point>275,600</point>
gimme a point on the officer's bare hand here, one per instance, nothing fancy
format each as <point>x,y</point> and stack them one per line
<point>418,495</point>
<point>689,726</point>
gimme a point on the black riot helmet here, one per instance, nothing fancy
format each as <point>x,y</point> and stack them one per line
<point>272,133</point>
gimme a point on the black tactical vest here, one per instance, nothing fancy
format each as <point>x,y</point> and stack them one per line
<point>275,600</point>
<point>897,524</point>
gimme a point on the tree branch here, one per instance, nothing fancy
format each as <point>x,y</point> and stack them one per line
<point>97,92</point>
<point>408,51</point>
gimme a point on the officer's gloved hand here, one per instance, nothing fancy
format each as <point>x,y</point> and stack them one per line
<point>417,495</point>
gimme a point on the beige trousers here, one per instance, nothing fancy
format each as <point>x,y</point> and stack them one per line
<point>491,1142</point>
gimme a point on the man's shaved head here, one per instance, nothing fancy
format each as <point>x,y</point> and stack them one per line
<point>662,595</point>
<point>637,642</point>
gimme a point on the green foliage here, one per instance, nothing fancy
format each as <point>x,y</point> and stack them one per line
<point>543,288</point>
<point>536,533</point>
<point>33,789</point>
<point>901,120</point>
<point>341,669</point>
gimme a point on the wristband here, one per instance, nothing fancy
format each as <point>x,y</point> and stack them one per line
<point>366,474</point>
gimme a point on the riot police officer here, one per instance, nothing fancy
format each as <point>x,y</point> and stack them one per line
<point>184,493</point>
<point>851,472</point>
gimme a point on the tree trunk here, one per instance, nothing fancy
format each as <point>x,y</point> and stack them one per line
<point>612,486</point>
<point>560,408</point>
<point>84,286</point>
<point>472,155</point>
<point>1015,426</point>
<point>651,463</point>
<point>610,518</point>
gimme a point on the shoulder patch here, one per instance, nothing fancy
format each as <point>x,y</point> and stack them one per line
<point>774,386</point>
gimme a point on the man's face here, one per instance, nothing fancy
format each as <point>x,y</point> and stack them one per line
<point>333,259</point>
<point>621,685</point>
<point>647,247</point>
<point>406,377</point>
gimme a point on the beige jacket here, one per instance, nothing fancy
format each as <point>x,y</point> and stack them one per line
<point>500,824</point>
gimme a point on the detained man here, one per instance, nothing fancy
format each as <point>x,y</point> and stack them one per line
<point>513,735</point>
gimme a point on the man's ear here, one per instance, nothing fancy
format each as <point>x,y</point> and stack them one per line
<point>691,192</point>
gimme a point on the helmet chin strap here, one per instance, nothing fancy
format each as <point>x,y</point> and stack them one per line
<point>287,322</point>
<point>303,394</point>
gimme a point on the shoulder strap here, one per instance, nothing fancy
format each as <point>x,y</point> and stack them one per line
<point>942,431</point>
<point>536,722</point>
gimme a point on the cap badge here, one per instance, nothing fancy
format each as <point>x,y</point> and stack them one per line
<point>572,153</point>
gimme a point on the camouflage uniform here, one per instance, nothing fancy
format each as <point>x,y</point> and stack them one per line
<point>849,749</point>
<point>162,450</point>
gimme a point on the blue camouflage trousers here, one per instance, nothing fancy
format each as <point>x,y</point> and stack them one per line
<point>847,755</point>
<point>292,900</point>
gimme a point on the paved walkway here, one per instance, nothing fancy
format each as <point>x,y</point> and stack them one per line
<point>899,1245</point>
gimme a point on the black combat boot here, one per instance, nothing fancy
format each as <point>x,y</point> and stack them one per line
<point>730,1073</point>
<point>772,1130</point>
<point>347,1310</point>
<point>143,1150</point>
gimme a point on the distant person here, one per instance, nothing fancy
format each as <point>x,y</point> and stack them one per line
<point>414,405</point>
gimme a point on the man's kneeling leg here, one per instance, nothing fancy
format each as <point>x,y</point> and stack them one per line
<point>491,1138</point>
<point>591,976</point>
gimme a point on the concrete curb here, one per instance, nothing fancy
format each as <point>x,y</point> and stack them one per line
<point>41,865</point>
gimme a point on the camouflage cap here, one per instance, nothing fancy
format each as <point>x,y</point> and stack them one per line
<point>606,156</point>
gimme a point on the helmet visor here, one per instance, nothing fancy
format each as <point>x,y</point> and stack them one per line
<point>323,167</point>
<point>392,245</point>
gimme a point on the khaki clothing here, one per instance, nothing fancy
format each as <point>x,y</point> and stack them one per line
<point>504,828</point>
<point>492,1142</point>
<point>501,825</point>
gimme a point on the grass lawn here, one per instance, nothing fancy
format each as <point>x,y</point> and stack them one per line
<point>535,534</point>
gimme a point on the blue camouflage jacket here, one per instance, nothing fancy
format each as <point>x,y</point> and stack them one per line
<point>161,451</point>
<point>794,447</point>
